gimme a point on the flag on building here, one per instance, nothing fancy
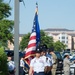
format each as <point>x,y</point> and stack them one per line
<point>34,38</point>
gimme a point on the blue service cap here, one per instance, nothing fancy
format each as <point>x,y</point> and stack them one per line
<point>43,48</point>
<point>38,49</point>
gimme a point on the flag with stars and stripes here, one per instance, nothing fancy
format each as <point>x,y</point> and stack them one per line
<point>34,39</point>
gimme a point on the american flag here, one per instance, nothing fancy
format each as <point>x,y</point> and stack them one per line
<point>34,38</point>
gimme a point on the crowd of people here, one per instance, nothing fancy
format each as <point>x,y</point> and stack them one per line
<point>11,65</point>
<point>44,63</point>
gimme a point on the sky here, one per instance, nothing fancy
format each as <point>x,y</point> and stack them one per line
<point>51,14</point>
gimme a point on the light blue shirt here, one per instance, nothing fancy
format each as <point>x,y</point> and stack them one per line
<point>21,63</point>
<point>11,65</point>
<point>51,59</point>
<point>47,60</point>
<point>38,64</point>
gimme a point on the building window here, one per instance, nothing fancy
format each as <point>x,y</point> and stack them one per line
<point>66,37</point>
<point>63,37</point>
<point>67,42</point>
<point>63,41</point>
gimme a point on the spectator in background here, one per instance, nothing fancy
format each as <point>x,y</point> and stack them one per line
<point>11,66</point>
<point>22,64</point>
<point>67,64</point>
<point>54,62</point>
<point>51,60</point>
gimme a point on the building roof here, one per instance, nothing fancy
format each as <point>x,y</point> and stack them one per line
<point>72,35</point>
<point>55,33</point>
<point>21,35</point>
<point>57,29</point>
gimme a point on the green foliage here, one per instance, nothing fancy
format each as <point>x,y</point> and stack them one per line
<point>4,10</point>
<point>44,40</point>
<point>24,42</point>
<point>3,62</point>
<point>6,26</point>
<point>59,46</point>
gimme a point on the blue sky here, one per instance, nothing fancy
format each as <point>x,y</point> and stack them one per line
<point>52,14</point>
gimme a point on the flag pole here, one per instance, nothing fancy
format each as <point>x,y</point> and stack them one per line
<point>16,35</point>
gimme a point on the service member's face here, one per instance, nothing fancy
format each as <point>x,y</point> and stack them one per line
<point>22,58</point>
<point>67,56</point>
<point>50,52</point>
<point>9,58</point>
<point>38,54</point>
<point>42,53</point>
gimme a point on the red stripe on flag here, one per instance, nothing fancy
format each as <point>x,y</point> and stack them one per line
<point>31,45</point>
<point>28,61</point>
<point>33,40</point>
<point>33,37</point>
<point>29,53</point>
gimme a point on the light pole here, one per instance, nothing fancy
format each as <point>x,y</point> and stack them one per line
<point>16,35</point>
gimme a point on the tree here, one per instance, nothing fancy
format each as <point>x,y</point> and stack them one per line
<point>4,10</point>
<point>47,40</point>
<point>6,26</point>
<point>3,62</point>
<point>24,42</point>
<point>44,40</point>
<point>59,46</point>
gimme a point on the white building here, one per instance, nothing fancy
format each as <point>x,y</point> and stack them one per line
<point>63,35</point>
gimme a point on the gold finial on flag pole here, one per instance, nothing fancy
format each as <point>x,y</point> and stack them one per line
<point>36,7</point>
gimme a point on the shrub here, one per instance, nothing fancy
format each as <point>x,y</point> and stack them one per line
<point>3,62</point>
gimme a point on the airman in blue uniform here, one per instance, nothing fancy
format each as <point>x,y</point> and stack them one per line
<point>37,64</point>
<point>46,59</point>
<point>22,65</point>
<point>11,66</point>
